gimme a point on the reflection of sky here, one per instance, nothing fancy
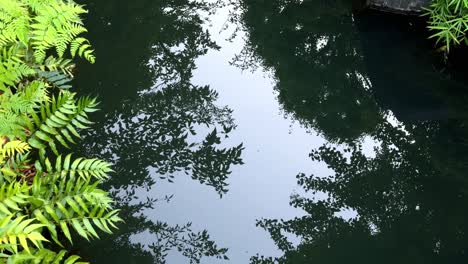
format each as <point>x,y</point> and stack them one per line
<point>276,149</point>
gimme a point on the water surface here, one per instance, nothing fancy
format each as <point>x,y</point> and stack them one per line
<point>347,126</point>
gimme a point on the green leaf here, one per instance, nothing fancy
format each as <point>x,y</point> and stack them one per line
<point>77,226</point>
<point>90,228</point>
<point>66,231</point>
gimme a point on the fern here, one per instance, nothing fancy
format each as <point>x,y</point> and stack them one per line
<point>40,198</point>
<point>14,166</point>
<point>43,256</point>
<point>57,25</point>
<point>56,78</point>
<point>11,125</point>
<point>73,202</point>
<point>36,27</point>
<point>53,64</point>
<point>14,22</point>
<point>59,119</point>
<point>16,105</point>
<point>12,66</point>
<point>26,100</point>
<point>12,196</point>
<point>22,231</point>
<point>84,168</point>
<point>13,147</point>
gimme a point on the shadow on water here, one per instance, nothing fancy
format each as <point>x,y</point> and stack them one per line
<point>365,82</point>
<point>155,125</point>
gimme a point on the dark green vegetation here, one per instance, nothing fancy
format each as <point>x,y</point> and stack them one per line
<point>47,196</point>
<point>448,19</point>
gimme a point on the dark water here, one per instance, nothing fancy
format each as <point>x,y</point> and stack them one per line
<point>312,135</point>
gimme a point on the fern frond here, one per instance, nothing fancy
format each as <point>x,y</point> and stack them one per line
<point>14,22</point>
<point>86,224</point>
<point>43,256</point>
<point>14,166</point>
<point>75,203</point>
<point>26,98</point>
<point>58,64</point>
<point>57,79</point>
<point>38,197</point>
<point>57,25</point>
<point>59,120</point>
<point>12,196</point>
<point>11,168</point>
<point>84,168</point>
<point>12,68</point>
<point>20,230</point>
<point>15,108</point>
<point>34,92</point>
<point>11,125</point>
<point>11,148</point>
<point>36,5</point>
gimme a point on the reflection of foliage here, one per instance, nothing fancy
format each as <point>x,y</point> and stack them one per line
<point>404,199</point>
<point>157,124</point>
<point>156,134</point>
<point>313,49</point>
<point>159,40</point>
<point>164,238</point>
<point>410,196</point>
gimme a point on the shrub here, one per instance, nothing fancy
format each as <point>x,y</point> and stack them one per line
<point>449,20</point>
<point>47,197</point>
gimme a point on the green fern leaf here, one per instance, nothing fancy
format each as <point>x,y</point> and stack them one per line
<point>13,230</point>
<point>59,120</point>
<point>42,256</point>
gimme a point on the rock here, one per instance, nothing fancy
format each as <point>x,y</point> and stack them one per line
<point>399,6</point>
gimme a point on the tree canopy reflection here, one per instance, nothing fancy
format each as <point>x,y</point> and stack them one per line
<point>312,48</point>
<point>410,201</point>
<point>406,202</point>
<point>157,125</point>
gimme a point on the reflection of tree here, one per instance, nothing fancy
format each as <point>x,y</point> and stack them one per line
<point>410,207</point>
<point>157,136</point>
<point>122,248</point>
<point>410,199</point>
<point>157,133</point>
<point>143,43</point>
<point>313,50</point>
<point>155,124</point>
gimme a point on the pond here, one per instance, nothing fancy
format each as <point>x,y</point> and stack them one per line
<point>275,132</point>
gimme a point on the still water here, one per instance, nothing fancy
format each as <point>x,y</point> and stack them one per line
<point>276,131</point>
